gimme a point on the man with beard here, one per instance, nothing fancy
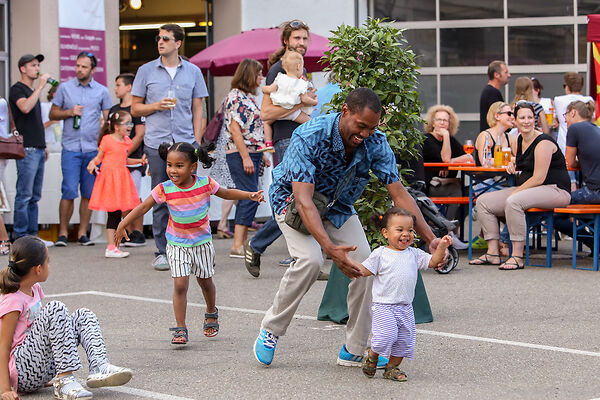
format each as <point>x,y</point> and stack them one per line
<point>80,102</point>
<point>294,37</point>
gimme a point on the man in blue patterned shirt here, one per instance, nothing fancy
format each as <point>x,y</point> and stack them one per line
<point>323,154</point>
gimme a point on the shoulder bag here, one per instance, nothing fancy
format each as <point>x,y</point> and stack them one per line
<point>213,129</point>
<point>292,216</point>
<point>11,147</point>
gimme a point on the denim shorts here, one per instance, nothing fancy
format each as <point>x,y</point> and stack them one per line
<point>75,174</point>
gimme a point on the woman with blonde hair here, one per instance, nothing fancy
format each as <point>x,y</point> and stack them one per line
<point>441,124</point>
<point>524,93</point>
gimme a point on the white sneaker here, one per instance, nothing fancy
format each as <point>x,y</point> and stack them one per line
<point>456,242</point>
<point>46,242</point>
<point>67,388</point>
<point>108,375</point>
<point>115,253</point>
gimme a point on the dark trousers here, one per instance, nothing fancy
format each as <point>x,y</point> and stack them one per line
<point>245,209</point>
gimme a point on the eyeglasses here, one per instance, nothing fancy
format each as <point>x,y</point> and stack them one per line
<point>164,38</point>
<point>441,120</point>
<point>128,124</point>
<point>295,24</point>
<point>567,113</point>
<point>509,113</point>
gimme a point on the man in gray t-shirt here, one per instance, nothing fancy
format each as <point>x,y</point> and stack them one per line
<point>155,85</point>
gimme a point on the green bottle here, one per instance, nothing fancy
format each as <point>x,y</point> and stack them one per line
<point>51,81</point>
<point>76,121</point>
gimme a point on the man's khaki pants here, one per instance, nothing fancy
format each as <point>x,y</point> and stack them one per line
<point>302,273</point>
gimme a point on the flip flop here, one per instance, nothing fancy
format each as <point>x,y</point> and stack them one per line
<point>484,260</point>
<point>517,265</point>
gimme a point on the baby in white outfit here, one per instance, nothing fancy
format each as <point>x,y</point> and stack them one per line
<point>285,91</point>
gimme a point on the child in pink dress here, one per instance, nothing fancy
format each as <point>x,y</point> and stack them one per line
<point>114,190</point>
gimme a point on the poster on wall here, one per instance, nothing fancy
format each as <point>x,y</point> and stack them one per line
<point>81,27</point>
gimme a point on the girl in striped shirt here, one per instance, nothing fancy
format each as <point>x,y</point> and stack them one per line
<point>189,239</point>
<point>395,276</point>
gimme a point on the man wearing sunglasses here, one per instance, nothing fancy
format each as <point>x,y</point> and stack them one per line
<point>80,102</point>
<point>294,37</point>
<point>168,91</point>
<point>499,76</point>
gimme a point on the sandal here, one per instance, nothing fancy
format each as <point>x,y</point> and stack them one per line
<point>369,366</point>
<point>4,247</point>
<point>214,325</point>
<point>180,335</point>
<point>485,260</point>
<point>224,233</point>
<point>394,374</point>
<point>516,265</point>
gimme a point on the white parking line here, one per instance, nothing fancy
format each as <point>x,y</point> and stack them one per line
<point>145,393</point>
<point>311,318</point>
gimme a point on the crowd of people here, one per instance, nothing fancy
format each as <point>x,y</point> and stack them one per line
<point>323,164</point>
<point>542,136</point>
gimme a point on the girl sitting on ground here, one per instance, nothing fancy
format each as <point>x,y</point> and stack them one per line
<point>189,240</point>
<point>39,343</point>
<point>286,91</point>
<point>395,268</point>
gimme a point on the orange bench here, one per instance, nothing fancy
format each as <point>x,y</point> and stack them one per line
<point>582,213</point>
<point>451,200</point>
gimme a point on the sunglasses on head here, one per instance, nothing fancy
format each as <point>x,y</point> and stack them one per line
<point>164,38</point>
<point>296,24</point>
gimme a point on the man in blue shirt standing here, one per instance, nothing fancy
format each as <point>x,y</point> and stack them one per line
<point>80,102</point>
<point>330,152</point>
<point>167,91</point>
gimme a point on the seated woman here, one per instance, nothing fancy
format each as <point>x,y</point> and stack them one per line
<point>500,118</point>
<point>441,124</point>
<point>583,147</point>
<point>542,181</point>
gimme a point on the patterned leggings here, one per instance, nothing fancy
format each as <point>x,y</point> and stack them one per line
<point>50,346</point>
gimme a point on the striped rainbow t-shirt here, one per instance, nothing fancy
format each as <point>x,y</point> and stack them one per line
<point>189,224</point>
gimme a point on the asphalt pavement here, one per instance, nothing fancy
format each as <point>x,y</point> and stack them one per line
<point>529,334</point>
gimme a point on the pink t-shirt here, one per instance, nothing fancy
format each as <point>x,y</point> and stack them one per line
<point>29,307</point>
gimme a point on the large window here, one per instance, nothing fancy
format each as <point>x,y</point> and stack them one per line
<point>455,40</point>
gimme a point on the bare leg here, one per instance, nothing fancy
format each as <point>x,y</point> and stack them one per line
<point>302,118</point>
<point>516,260</point>
<point>209,291</point>
<point>3,233</point>
<point>84,217</point>
<point>268,129</point>
<point>239,236</point>
<point>226,207</point>
<point>180,288</point>
<point>65,212</point>
<point>110,237</point>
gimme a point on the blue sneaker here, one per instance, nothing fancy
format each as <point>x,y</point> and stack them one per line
<point>347,359</point>
<point>264,348</point>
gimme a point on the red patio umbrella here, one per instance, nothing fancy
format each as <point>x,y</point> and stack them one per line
<point>223,57</point>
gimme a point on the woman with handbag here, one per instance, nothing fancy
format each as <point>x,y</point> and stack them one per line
<point>245,134</point>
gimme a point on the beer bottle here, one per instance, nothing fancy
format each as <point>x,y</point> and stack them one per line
<point>51,81</point>
<point>76,121</point>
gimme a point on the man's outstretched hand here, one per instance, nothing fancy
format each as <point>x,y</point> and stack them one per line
<point>339,255</point>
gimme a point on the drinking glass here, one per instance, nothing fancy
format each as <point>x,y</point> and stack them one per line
<point>468,147</point>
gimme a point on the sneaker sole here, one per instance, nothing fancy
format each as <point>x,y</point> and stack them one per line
<point>87,244</point>
<point>347,363</point>
<point>124,256</point>
<point>116,379</point>
<point>130,244</point>
<point>60,244</point>
<point>237,256</point>
<point>161,267</point>
<point>67,397</point>
<point>255,355</point>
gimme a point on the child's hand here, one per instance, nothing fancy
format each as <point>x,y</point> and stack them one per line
<point>446,241</point>
<point>12,395</point>
<point>120,233</point>
<point>257,196</point>
<point>144,160</point>
<point>92,169</point>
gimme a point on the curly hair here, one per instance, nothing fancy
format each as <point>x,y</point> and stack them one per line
<point>454,122</point>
